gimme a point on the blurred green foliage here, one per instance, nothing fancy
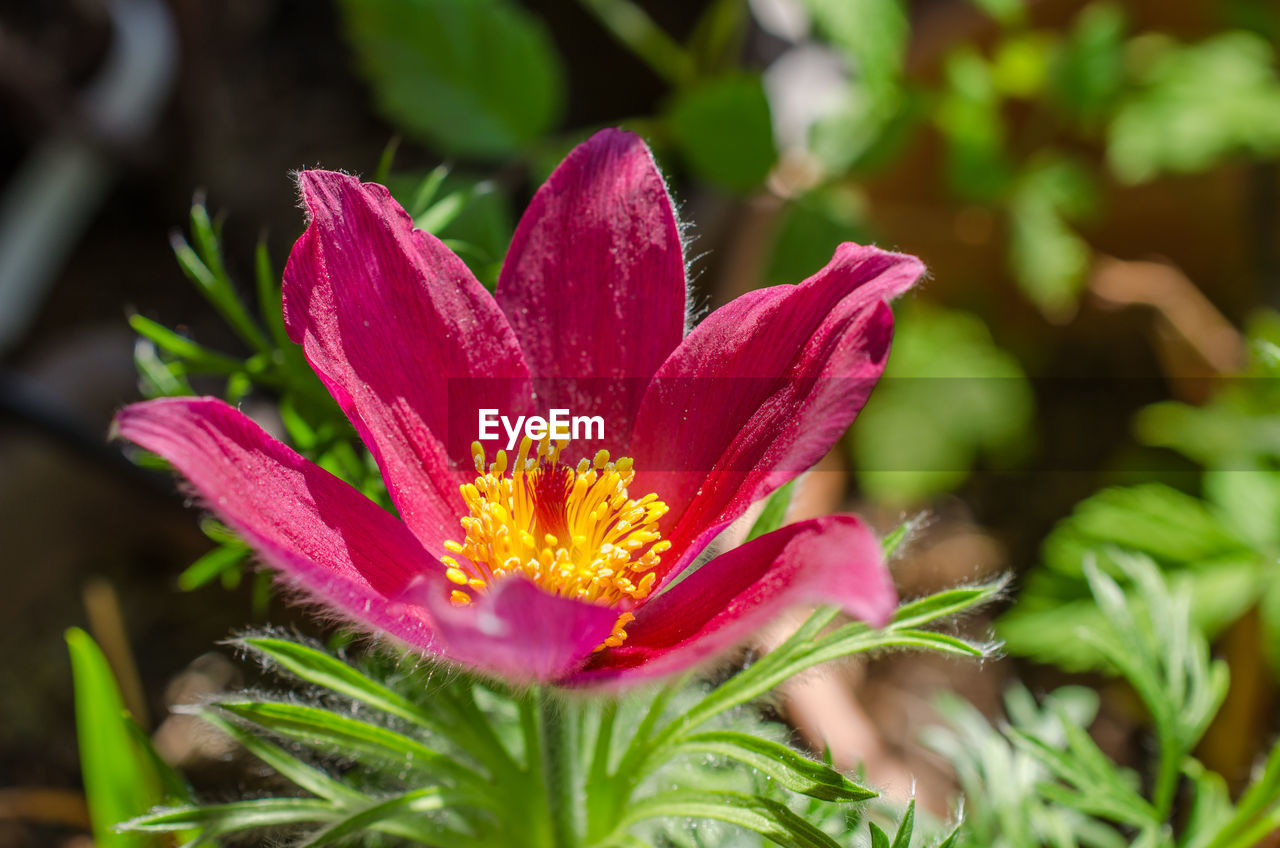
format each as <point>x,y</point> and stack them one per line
<point>1237,430</point>
<point>470,77</point>
<point>1192,105</point>
<point>1223,548</point>
<point>948,397</point>
<point>1042,780</point>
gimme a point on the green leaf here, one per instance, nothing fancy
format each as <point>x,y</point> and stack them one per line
<point>1248,505</point>
<point>1199,554</point>
<point>197,356</point>
<point>1195,105</point>
<point>808,647</point>
<point>879,839</point>
<point>236,816</point>
<point>631,26</point>
<point>785,765</point>
<point>120,781</point>
<point>1211,809</point>
<point>1088,73</point>
<point>947,603</point>
<point>902,839</point>
<point>470,214</point>
<point>1237,429</point>
<point>1257,805</point>
<point>204,267</point>
<point>330,673</point>
<point>1099,787</point>
<point>1173,528</point>
<point>415,803</point>
<point>1020,65</point>
<point>865,133</point>
<point>895,537</point>
<point>969,116</point>
<point>470,77</point>
<point>724,129</point>
<point>773,514</point>
<point>1048,258</point>
<point>764,816</point>
<point>157,377</point>
<point>1166,661</point>
<point>888,640</point>
<point>334,734</point>
<point>302,775</point>
<point>1001,779</point>
<point>271,304</point>
<point>952,838</point>
<point>212,565</point>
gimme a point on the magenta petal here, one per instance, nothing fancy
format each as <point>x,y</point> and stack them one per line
<point>318,531</point>
<point>762,389</point>
<point>405,338</point>
<point>521,632</point>
<point>833,560</point>
<point>594,282</point>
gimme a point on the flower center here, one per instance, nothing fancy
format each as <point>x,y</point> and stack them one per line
<point>574,531</point>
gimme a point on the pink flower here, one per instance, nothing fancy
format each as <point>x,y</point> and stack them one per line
<point>530,567</point>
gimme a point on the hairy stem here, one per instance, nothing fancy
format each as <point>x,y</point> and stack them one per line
<point>557,770</point>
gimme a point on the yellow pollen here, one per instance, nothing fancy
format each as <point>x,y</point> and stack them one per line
<point>573,530</point>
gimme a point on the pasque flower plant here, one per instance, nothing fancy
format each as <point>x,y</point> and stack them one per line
<point>545,566</point>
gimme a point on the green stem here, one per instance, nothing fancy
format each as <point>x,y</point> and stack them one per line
<point>557,770</point>
<point>636,31</point>
<point>471,724</point>
<point>1255,833</point>
<point>1169,770</point>
<point>599,786</point>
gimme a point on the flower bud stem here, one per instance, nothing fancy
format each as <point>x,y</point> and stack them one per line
<point>557,769</point>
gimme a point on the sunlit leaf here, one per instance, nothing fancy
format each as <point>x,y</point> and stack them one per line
<point>945,604</point>
<point>783,764</point>
<point>120,780</point>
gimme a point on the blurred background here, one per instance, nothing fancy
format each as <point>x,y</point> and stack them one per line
<point>1089,366</point>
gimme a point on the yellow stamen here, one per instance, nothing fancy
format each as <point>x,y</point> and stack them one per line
<point>573,530</point>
